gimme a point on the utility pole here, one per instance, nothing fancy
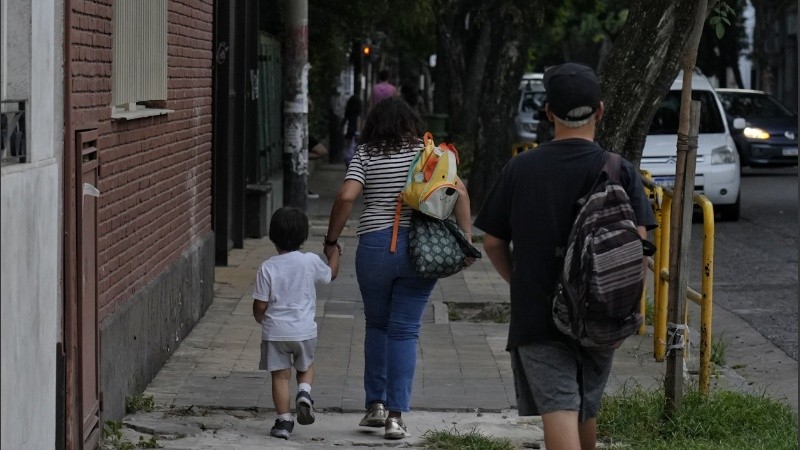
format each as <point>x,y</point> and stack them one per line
<point>680,223</point>
<point>295,105</point>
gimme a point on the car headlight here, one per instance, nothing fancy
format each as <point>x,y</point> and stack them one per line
<point>722,155</point>
<point>529,127</point>
<point>755,133</point>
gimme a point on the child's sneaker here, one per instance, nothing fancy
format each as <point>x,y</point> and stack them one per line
<point>375,417</point>
<point>305,408</point>
<point>395,429</point>
<point>282,428</point>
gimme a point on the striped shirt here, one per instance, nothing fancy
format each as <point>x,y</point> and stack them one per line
<point>383,177</point>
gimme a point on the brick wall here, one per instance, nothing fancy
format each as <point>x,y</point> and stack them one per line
<point>155,173</point>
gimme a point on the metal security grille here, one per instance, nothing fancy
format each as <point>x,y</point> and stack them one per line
<point>140,52</point>
<point>13,147</point>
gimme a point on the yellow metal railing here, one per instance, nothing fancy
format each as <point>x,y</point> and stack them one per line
<point>520,147</point>
<point>659,264</point>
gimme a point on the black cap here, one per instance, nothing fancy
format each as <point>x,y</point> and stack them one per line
<point>570,86</point>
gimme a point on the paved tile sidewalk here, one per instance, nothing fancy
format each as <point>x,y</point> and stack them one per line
<point>461,366</point>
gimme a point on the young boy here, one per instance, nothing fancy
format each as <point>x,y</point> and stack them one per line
<point>284,303</point>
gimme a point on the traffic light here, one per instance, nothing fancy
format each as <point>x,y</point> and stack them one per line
<point>366,50</point>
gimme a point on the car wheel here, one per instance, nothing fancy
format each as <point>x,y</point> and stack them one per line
<point>730,213</point>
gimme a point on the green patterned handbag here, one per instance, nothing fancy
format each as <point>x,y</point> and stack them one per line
<point>437,247</point>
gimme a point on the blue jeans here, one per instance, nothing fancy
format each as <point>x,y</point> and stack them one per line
<point>394,299</point>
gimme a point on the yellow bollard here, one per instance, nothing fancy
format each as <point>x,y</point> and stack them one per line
<point>707,292</point>
<point>662,204</point>
<point>660,304</point>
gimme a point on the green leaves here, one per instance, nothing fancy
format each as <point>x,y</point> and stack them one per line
<point>719,18</point>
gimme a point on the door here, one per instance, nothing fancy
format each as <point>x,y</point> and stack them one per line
<point>88,342</point>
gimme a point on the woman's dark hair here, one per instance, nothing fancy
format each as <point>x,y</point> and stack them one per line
<point>383,75</point>
<point>288,228</point>
<point>390,125</point>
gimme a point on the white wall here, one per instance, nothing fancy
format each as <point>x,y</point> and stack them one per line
<point>30,233</point>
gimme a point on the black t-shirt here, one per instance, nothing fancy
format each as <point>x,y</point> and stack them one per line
<point>532,205</point>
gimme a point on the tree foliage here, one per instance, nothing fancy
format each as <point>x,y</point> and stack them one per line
<point>482,52</point>
<point>483,48</point>
<point>578,30</point>
<point>334,25</point>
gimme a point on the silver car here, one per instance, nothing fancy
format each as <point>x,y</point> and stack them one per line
<point>531,100</point>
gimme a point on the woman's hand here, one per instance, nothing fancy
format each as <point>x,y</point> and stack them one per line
<point>330,249</point>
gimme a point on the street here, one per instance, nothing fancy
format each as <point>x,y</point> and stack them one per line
<point>755,270</point>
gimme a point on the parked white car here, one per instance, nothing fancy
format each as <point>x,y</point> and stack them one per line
<point>531,100</point>
<point>717,173</point>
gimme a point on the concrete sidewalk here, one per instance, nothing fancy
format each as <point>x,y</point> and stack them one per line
<point>211,395</point>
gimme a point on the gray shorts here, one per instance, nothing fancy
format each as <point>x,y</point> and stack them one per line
<point>279,355</point>
<point>553,376</point>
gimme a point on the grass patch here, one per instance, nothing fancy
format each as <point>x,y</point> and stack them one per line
<point>148,443</point>
<point>479,312</point>
<point>112,437</point>
<point>472,440</point>
<point>649,312</point>
<point>114,440</point>
<point>634,419</point>
<point>453,314</point>
<point>718,348</point>
<point>140,402</point>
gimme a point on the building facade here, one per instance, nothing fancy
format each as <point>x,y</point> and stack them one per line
<point>138,258</point>
<point>30,132</point>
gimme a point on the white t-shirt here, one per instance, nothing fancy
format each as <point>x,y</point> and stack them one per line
<point>286,283</point>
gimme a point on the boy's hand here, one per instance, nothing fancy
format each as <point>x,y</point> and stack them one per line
<point>259,309</point>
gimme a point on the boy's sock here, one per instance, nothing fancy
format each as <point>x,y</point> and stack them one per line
<point>304,387</point>
<point>287,416</point>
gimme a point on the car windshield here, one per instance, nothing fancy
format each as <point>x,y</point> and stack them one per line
<point>665,120</point>
<point>751,105</point>
<point>532,101</point>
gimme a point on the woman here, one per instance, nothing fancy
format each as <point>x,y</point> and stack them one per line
<point>394,296</point>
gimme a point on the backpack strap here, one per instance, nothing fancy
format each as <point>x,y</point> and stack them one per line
<point>396,224</point>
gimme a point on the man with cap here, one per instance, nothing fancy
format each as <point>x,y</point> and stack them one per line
<point>533,205</point>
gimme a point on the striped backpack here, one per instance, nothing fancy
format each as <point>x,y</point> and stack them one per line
<point>598,293</point>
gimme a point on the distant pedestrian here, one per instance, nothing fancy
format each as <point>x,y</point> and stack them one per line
<point>394,296</point>
<point>316,150</point>
<point>532,205</point>
<point>410,94</point>
<point>352,128</point>
<point>284,303</point>
<point>383,89</point>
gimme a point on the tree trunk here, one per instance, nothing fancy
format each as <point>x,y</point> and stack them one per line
<point>767,48</point>
<point>639,70</point>
<point>481,53</point>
